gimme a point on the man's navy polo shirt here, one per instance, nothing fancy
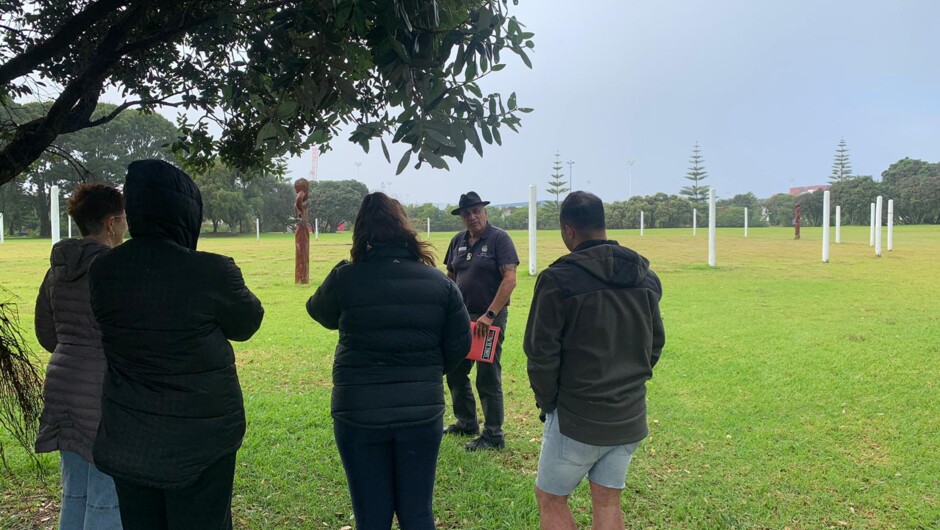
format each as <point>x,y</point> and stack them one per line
<point>478,277</point>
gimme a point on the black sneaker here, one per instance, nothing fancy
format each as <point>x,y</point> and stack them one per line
<point>461,429</point>
<point>482,443</point>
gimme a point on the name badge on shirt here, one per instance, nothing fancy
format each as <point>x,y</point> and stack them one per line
<point>461,249</point>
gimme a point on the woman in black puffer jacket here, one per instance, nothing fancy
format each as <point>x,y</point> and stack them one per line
<point>66,327</point>
<point>172,414</point>
<point>402,326</point>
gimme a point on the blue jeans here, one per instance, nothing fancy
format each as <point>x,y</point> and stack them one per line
<point>390,470</point>
<point>89,501</point>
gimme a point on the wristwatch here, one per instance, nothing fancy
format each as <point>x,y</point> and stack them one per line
<point>491,314</point>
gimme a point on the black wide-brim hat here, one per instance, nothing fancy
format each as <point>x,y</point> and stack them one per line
<point>468,200</point>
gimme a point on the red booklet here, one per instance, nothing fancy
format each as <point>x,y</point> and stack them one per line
<point>484,349</point>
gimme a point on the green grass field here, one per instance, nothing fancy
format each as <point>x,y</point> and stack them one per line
<point>791,393</point>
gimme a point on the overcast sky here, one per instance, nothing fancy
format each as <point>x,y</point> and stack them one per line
<point>767,88</point>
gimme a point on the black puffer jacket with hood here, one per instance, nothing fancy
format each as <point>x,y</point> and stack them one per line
<point>66,327</point>
<point>172,403</point>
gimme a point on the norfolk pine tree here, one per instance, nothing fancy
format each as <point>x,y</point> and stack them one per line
<point>557,182</point>
<point>696,192</point>
<point>841,166</point>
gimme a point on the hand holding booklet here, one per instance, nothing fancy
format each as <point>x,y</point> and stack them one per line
<point>483,349</point>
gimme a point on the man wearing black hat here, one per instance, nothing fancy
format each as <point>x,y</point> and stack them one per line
<point>482,260</point>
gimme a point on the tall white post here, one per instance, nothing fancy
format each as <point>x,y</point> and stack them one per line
<point>694,220</point>
<point>642,221</point>
<point>890,225</point>
<point>257,229</point>
<point>838,224</point>
<point>429,228</point>
<point>69,217</point>
<point>316,229</point>
<point>54,214</point>
<point>871,231</point>
<point>533,225</point>
<point>878,226</point>
<point>1,228</point>
<point>745,221</point>
<point>825,227</point>
<point>711,228</point>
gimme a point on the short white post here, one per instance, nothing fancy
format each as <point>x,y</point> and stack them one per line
<point>890,225</point>
<point>69,217</point>
<point>745,221</point>
<point>1,228</point>
<point>257,229</point>
<point>878,226</point>
<point>316,229</point>
<point>712,261</point>
<point>533,224</point>
<point>694,220</point>
<point>825,227</point>
<point>871,231</point>
<point>642,221</point>
<point>838,224</point>
<point>429,228</point>
<point>54,214</point>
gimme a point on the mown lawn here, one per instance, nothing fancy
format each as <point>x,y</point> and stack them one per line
<point>791,393</point>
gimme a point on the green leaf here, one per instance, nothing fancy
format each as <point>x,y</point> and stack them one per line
<point>267,132</point>
<point>485,131</point>
<point>287,109</point>
<point>404,162</point>
<point>385,150</point>
<point>525,58</point>
<point>435,161</point>
<point>439,138</point>
<point>496,136</point>
<point>512,101</point>
<point>498,66</point>
<point>470,131</point>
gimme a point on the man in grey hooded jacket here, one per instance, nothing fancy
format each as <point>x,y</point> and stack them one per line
<point>593,336</point>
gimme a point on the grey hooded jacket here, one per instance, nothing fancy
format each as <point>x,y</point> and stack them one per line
<point>66,327</point>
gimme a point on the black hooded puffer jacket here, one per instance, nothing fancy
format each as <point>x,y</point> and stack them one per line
<point>66,328</point>
<point>172,403</point>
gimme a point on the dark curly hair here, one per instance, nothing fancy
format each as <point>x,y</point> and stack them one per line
<point>382,221</point>
<point>91,204</point>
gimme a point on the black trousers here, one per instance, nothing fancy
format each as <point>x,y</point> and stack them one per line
<point>390,470</point>
<point>204,505</point>
<point>489,385</point>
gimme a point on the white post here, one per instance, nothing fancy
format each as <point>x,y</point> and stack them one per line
<point>825,227</point>
<point>878,226</point>
<point>257,229</point>
<point>54,214</point>
<point>711,228</point>
<point>316,228</point>
<point>429,228</point>
<point>69,217</point>
<point>838,224</point>
<point>745,221</point>
<point>533,224</point>
<point>642,221</point>
<point>871,230</point>
<point>890,225</point>
<point>1,228</point>
<point>694,220</point>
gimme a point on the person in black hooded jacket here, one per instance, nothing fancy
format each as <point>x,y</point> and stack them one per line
<point>402,325</point>
<point>172,412</point>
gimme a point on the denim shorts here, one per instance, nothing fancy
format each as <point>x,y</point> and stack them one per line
<point>563,462</point>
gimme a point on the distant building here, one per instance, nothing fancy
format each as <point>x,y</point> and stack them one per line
<point>800,190</point>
